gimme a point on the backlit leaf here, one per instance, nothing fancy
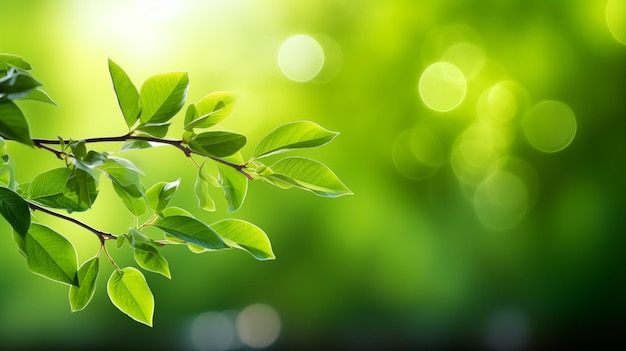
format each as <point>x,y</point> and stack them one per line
<point>49,254</point>
<point>309,175</point>
<point>124,174</point>
<point>201,188</point>
<point>233,183</point>
<point>7,60</point>
<point>81,295</point>
<point>210,110</point>
<point>245,236</point>
<point>296,135</point>
<point>40,95</point>
<point>217,143</point>
<point>191,230</point>
<point>160,194</point>
<point>162,96</point>
<point>129,292</point>
<point>126,93</point>
<point>149,258</point>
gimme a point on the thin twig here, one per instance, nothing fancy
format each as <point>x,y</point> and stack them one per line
<point>179,144</point>
<point>101,235</point>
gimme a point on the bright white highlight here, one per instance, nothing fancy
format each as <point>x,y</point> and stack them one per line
<point>442,86</point>
<point>300,58</point>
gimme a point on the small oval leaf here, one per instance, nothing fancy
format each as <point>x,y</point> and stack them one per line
<point>129,292</point>
<point>149,258</point>
<point>210,110</point>
<point>245,236</point>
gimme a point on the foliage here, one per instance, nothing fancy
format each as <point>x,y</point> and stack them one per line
<point>74,187</point>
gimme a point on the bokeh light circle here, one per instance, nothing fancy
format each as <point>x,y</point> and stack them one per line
<point>498,105</point>
<point>469,58</point>
<point>550,126</point>
<point>442,86</point>
<point>477,153</point>
<point>213,331</point>
<point>258,325</point>
<point>300,58</point>
<point>501,200</point>
<point>418,153</point>
<point>616,19</point>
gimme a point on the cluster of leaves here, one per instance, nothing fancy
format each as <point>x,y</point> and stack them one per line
<point>74,186</point>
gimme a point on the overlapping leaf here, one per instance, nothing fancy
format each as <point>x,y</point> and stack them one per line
<point>233,183</point>
<point>81,295</point>
<point>210,110</point>
<point>217,143</point>
<point>191,230</point>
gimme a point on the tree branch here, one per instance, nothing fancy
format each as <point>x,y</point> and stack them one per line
<point>100,234</point>
<point>179,144</point>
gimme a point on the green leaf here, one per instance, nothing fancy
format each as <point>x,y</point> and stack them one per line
<point>158,130</point>
<point>191,230</point>
<point>245,236</point>
<point>40,95</point>
<point>149,258</point>
<point>7,176</point>
<point>7,60</point>
<point>81,295</point>
<point>136,205</point>
<point>64,188</point>
<point>162,96</point>
<point>160,194</point>
<point>201,188</point>
<point>15,210</point>
<point>135,145</point>
<point>49,254</point>
<point>126,93</point>
<point>124,174</point>
<point>210,110</point>
<point>175,211</point>
<point>217,143</point>
<point>233,183</point>
<point>13,124</point>
<point>129,292</point>
<point>17,83</point>
<point>310,175</point>
<point>296,135</point>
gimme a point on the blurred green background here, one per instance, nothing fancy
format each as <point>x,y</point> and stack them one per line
<point>489,191</point>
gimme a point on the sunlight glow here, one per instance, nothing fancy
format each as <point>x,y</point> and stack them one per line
<point>158,10</point>
<point>616,19</point>
<point>442,86</point>
<point>301,58</point>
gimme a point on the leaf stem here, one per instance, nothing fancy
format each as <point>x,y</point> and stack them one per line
<point>100,234</point>
<point>106,252</point>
